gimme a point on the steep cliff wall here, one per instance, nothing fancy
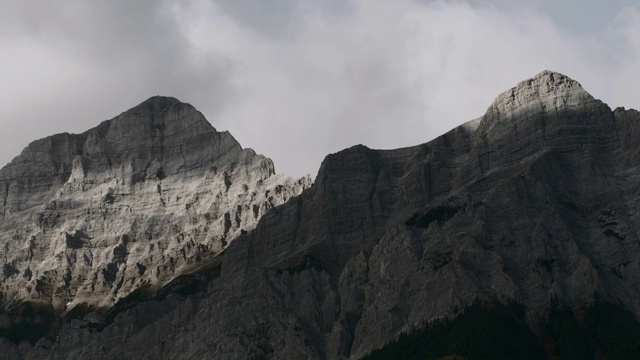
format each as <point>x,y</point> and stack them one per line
<point>535,202</point>
<point>137,200</point>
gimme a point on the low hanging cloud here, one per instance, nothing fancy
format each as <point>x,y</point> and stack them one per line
<point>296,80</point>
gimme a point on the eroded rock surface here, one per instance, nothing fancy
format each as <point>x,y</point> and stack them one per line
<point>137,200</point>
<point>536,202</point>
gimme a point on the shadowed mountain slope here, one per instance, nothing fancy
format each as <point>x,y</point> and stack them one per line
<point>535,203</point>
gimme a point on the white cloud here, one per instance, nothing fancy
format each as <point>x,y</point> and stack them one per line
<point>623,84</point>
<point>296,80</point>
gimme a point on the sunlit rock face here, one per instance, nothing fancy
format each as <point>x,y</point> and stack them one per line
<point>534,202</point>
<point>137,200</point>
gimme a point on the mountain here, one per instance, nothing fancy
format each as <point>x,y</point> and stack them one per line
<point>531,207</point>
<point>140,199</point>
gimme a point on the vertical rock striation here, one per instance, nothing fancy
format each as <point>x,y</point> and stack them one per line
<point>534,202</point>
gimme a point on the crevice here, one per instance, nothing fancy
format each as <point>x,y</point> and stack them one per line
<point>6,195</point>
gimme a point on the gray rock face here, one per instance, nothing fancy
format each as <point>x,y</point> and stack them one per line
<point>536,201</point>
<point>137,200</point>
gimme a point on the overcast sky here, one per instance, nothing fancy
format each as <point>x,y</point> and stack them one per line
<point>298,79</point>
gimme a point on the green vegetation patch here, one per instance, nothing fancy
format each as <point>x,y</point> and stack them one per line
<point>440,213</point>
<point>308,262</point>
<point>80,311</point>
<point>482,331</point>
<point>185,285</point>
<point>494,331</point>
<point>613,233</point>
<point>544,263</point>
<point>615,329</point>
<point>29,322</point>
<point>565,336</point>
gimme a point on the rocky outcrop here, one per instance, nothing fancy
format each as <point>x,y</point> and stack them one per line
<point>140,199</point>
<point>535,202</point>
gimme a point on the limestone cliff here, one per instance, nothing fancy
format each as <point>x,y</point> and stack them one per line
<point>536,201</point>
<point>137,200</point>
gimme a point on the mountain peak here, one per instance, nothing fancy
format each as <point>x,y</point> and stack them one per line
<point>124,234</point>
<point>546,94</point>
<point>546,88</point>
<point>550,76</point>
<point>156,187</point>
<point>549,82</point>
<point>161,108</point>
<point>160,103</point>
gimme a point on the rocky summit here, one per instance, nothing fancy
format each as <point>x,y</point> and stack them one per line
<point>533,204</point>
<point>86,219</point>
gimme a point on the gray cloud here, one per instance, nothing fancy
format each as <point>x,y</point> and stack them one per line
<point>296,80</point>
<point>73,64</point>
